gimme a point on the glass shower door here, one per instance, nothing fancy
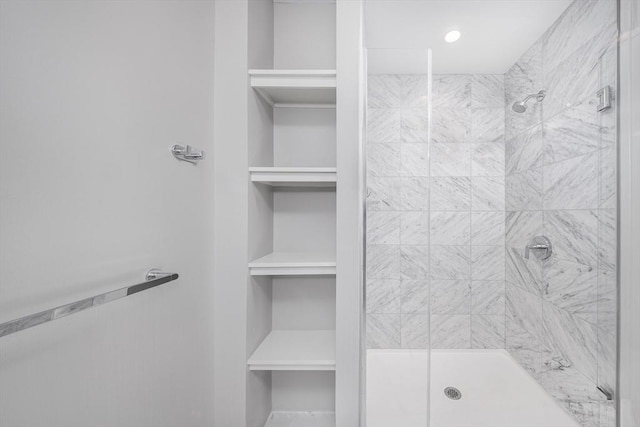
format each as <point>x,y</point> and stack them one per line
<point>523,244</point>
<point>397,237</point>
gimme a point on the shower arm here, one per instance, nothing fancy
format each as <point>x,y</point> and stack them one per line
<point>538,96</point>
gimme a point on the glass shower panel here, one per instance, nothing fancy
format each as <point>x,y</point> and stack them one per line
<point>523,219</point>
<point>397,237</point>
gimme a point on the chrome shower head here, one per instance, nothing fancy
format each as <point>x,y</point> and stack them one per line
<point>521,106</point>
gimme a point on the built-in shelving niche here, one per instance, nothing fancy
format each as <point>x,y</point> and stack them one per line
<point>301,419</point>
<point>294,176</point>
<point>296,88</point>
<point>292,171</point>
<point>296,350</point>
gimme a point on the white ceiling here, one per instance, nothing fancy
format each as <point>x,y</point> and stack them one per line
<point>495,33</point>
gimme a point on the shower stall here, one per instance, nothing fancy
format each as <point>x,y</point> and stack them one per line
<point>491,218</point>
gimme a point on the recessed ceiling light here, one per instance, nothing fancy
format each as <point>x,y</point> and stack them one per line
<point>452,36</point>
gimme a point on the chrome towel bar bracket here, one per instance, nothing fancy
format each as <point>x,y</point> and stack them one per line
<point>185,153</point>
<point>153,278</point>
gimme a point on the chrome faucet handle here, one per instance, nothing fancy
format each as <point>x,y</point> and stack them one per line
<point>541,246</point>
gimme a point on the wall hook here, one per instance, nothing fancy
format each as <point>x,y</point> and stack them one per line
<point>186,154</point>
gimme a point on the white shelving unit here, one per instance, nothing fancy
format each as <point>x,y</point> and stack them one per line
<point>295,351</point>
<point>292,211</point>
<point>294,177</point>
<point>296,88</point>
<point>301,419</point>
<point>294,264</point>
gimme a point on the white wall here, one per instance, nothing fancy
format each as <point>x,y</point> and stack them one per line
<point>350,68</point>
<point>92,96</point>
<point>629,368</point>
<point>304,35</point>
<point>231,219</point>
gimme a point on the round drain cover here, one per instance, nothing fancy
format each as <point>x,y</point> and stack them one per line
<point>452,393</point>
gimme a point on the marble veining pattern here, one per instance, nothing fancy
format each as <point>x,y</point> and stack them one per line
<point>383,194</point>
<point>414,296</point>
<point>572,184</point>
<point>414,159</point>
<point>576,235</point>
<point>414,125</point>
<point>487,262</point>
<point>383,228</point>
<point>383,125</point>
<point>450,296</point>
<point>524,151</point>
<point>560,164</point>
<point>523,191</point>
<point>451,125</point>
<point>450,262</point>
<point>488,297</point>
<point>487,125</point>
<point>487,228</point>
<point>450,228</point>
<point>524,327</point>
<point>383,331</point>
<point>487,91</point>
<point>572,133</point>
<point>414,262</point>
<point>383,261</point>
<point>487,331</point>
<point>383,159</point>
<point>524,273</point>
<point>452,91</point>
<point>450,331</point>
<point>450,159</point>
<point>383,296</point>
<point>521,226</point>
<point>414,201</point>
<point>383,91</point>
<point>414,91</point>
<point>487,193</point>
<point>487,159</point>
<point>573,341</point>
<point>414,332</point>
<point>577,24</point>
<point>572,287</point>
<point>451,193</point>
<point>413,194</point>
<point>414,228</point>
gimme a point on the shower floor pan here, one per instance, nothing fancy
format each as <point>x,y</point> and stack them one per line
<point>495,391</point>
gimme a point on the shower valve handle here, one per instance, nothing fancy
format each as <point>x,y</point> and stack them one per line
<point>539,244</point>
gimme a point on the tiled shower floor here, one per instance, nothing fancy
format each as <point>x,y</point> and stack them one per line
<point>496,391</point>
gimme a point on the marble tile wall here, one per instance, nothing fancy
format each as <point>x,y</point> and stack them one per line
<point>435,212</point>
<point>397,212</point>
<point>560,163</point>
<point>467,212</point>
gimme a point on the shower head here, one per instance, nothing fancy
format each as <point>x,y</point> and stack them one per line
<point>521,106</point>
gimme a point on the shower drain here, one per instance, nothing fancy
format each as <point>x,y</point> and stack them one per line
<point>452,393</point>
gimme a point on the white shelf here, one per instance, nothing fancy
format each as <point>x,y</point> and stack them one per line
<point>294,264</point>
<point>301,419</point>
<point>295,351</point>
<point>294,177</point>
<point>296,88</point>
